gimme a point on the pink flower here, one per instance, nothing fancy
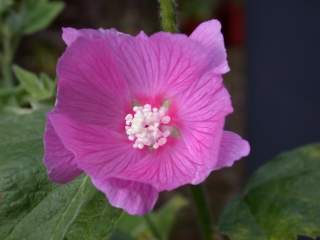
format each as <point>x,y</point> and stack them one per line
<point>140,115</point>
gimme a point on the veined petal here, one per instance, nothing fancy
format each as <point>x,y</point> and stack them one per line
<point>180,71</point>
<point>91,88</point>
<point>133,197</point>
<point>163,64</point>
<point>206,101</point>
<point>98,151</point>
<point>191,156</point>
<point>232,148</point>
<point>164,169</point>
<point>102,155</point>
<point>59,161</point>
<point>202,110</point>
<point>70,35</point>
<point>210,36</point>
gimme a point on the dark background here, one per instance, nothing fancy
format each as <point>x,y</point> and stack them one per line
<point>283,72</point>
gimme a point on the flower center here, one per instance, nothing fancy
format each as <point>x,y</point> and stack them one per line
<point>148,126</point>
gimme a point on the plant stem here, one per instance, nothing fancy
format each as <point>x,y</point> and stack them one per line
<point>203,212</point>
<point>153,228</point>
<point>168,16</point>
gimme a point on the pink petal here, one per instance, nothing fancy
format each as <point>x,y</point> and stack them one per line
<point>191,156</point>
<point>90,83</point>
<point>210,36</point>
<point>232,148</point>
<point>58,160</point>
<point>102,154</point>
<point>99,152</point>
<point>204,104</point>
<point>133,197</point>
<point>164,169</point>
<point>205,144</point>
<point>90,145</point>
<point>161,64</point>
<point>179,69</point>
<point>70,35</point>
<point>203,109</point>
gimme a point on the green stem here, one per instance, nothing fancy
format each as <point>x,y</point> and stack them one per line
<point>168,16</point>
<point>203,212</point>
<point>153,228</point>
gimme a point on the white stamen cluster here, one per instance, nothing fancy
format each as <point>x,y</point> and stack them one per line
<point>147,126</point>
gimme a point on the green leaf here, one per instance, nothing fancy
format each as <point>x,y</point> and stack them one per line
<point>48,83</point>
<point>39,88</point>
<point>39,14</point>
<point>281,200</point>
<point>95,221</point>
<point>21,189</point>
<point>21,138</point>
<point>22,183</point>
<point>133,227</point>
<point>33,208</point>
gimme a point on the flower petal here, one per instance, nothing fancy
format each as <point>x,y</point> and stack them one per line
<point>133,197</point>
<point>210,36</point>
<point>187,159</point>
<point>202,110</point>
<point>164,169</point>
<point>98,151</point>
<point>103,154</point>
<point>58,160</point>
<point>164,63</point>
<point>90,83</point>
<point>70,35</point>
<point>232,148</point>
<point>200,116</point>
<point>192,155</point>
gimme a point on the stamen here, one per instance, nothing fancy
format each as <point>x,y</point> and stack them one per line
<point>147,126</point>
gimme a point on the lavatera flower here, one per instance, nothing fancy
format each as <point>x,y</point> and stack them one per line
<point>141,114</point>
